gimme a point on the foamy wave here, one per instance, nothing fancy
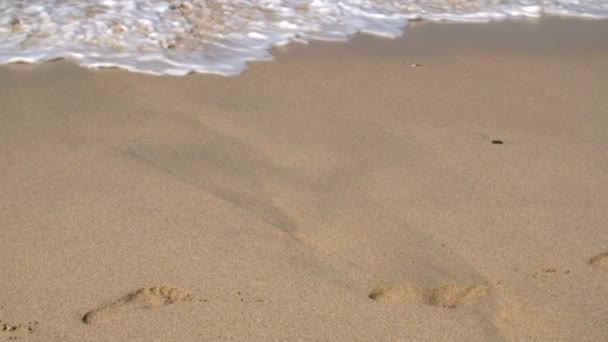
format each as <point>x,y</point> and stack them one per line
<point>220,36</point>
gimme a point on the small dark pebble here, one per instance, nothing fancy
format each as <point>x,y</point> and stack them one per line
<point>497,142</point>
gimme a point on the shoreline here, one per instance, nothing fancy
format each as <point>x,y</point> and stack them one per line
<point>552,34</point>
<point>335,193</point>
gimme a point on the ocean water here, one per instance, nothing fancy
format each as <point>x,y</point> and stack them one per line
<point>168,37</point>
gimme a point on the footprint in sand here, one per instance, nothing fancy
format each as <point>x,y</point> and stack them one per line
<point>147,297</point>
<point>14,331</point>
<point>447,296</point>
<point>600,260</point>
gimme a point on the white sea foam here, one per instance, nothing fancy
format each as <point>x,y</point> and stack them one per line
<point>220,36</point>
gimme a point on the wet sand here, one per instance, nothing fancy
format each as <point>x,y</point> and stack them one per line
<point>450,185</point>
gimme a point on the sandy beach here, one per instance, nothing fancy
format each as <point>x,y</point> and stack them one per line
<point>450,185</point>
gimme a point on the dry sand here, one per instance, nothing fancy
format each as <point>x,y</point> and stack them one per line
<point>337,193</point>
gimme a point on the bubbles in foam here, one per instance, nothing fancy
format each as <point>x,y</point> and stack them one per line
<point>220,36</point>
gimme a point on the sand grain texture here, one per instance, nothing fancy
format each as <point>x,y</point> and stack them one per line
<point>335,194</point>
